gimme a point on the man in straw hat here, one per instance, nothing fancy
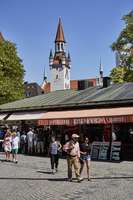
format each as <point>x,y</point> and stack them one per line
<point>73,155</point>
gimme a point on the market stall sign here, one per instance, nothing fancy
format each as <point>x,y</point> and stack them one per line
<point>104,150</point>
<point>115,151</point>
<point>95,150</point>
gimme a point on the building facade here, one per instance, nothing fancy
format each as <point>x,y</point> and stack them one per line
<point>60,66</point>
<point>104,115</point>
<point>32,89</point>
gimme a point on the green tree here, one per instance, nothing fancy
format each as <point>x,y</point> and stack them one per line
<point>124,47</point>
<point>118,73</point>
<point>11,73</point>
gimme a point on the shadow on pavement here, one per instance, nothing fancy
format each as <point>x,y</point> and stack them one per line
<point>33,179</point>
<point>62,179</point>
<point>44,172</point>
<point>114,177</point>
<point>4,160</point>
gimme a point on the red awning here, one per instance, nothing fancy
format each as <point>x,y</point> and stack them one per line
<point>89,116</point>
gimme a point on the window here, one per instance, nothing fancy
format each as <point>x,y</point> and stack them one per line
<point>28,94</point>
<point>62,46</point>
<point>58,46</point>
<point>81,85</point>
<point>57,76</point>
<point>66,74</point>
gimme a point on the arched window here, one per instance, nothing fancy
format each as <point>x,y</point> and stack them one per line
<point>58,47</point>
<point>57,76</point>
<point>62,47</point>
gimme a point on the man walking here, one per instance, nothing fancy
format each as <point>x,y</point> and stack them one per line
<point>73,155</point>
<point>15,146</point>
<point>30,135</point>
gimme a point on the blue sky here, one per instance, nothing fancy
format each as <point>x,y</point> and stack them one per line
<point>90,27</point>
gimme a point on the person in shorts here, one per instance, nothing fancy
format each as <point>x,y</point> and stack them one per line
<point>7,144</point>
<point>15,146</point>
<point>85,149</point>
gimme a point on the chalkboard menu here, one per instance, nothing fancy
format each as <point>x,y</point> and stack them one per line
<point>95,150</point>
<point>103,152</point>
<point>115,151</point>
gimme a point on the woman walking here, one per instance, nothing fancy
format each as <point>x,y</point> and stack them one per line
<point>55,146</point>
<point>7,145</point>
<point>85,158</point>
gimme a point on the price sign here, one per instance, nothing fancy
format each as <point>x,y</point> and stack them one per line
<point>103,152</point>
<point>115,151</point>
<point>95,150</point>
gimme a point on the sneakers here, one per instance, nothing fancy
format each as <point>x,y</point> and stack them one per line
<point>15,161</point>
<point>80,179</point>
<point>56,170</point>
<point>70,179</point>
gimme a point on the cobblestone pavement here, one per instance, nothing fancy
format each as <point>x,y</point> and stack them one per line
<point>31,179</point>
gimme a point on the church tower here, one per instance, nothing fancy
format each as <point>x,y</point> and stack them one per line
<point>44,80</point>
<point>60,62</point>
<point>100,73</point>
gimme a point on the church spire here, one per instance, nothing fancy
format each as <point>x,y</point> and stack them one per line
<point>60,34</point>
<point>44,75</point>
<point>101,69</point>
<point>100,79</point>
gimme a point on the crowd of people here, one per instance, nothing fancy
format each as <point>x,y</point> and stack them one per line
<point>53,143</point>
<point>32,141</point>
<point>77,154</point>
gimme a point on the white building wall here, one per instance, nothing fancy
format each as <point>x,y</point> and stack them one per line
<point>57,79</point>
<point>67,79</point>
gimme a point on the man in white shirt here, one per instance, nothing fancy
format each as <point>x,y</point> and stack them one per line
<point>30,136</point>
<point>15,146</point>
<point>73,155</point>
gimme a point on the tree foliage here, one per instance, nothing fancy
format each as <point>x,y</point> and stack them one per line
<point>124,47</point>
<point>11,73</point>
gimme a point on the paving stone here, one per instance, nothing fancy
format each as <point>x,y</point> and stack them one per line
<point>31,179</point>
